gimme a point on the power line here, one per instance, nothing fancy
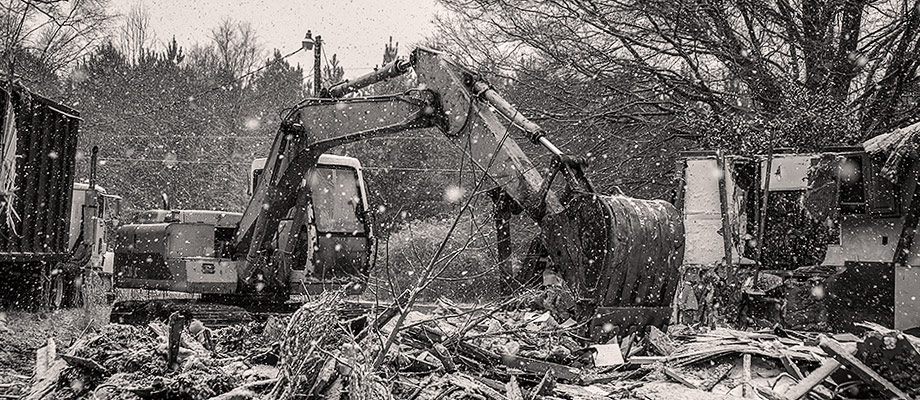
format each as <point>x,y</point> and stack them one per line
<point>407,169</point>
<point>240,163</point>
<point>268,137</point>
<point>165,161</point>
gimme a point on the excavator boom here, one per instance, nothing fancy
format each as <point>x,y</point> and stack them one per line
<point>317,125</point>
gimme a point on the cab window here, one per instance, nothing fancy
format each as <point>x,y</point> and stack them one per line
<point>336,200</point>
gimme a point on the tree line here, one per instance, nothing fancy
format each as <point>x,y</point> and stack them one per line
<point>184,121</point>
<point>627,84</point>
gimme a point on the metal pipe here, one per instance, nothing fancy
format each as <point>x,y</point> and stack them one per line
<point>550,146</point>
<point>390,70</point>
<point>93,161</point>
<point>505,108</point>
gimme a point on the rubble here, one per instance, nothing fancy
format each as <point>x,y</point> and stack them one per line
<point>449,352</point>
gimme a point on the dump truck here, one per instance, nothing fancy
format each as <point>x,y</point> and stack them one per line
<point>308,224</point>
<point>38,154</point>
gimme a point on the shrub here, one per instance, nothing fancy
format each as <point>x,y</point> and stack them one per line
<point>470,270</point>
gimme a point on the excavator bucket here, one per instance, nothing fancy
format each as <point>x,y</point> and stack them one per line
<point>621,257</point>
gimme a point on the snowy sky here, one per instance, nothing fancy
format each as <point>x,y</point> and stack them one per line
<point>356,30</point>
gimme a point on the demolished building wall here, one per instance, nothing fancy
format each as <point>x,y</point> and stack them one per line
<point>845,219</point>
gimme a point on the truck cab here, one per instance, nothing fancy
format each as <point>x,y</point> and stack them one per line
<point>93,214</point>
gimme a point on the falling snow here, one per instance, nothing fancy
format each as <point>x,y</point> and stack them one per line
<point>625,194</point>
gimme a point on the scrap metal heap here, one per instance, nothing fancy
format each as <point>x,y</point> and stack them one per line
<point>470,353</point>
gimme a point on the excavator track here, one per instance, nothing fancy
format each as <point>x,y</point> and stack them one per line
<point>213,315</point>
<point>142,312</point>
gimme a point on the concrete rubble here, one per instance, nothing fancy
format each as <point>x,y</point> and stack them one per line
<point>450,352</point>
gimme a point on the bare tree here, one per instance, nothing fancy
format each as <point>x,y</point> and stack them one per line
<point>135,35</point>
<point>860,54</point>
<point>617,119</point>
<point>49,36</point>
<point>236,46</point>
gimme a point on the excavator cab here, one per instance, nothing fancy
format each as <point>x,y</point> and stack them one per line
<point>334,245</point>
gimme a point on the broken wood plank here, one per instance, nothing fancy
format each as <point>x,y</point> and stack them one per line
<point>513,390</point>
<point>747,389</point>
<point>677,377</point>
<point>540,367</point>
<point>645,360</point>
<point>627,343</point>
<point>45,384</point>
<point>176,323</point>
<point>477,354</point>
<point>85,363</point>
<point>660,341</point>
<point>45,356</point>
<point>862,370</point>
<point>491,383</point>
<point>47,372</point>
<point>443,355</point>
<point>791,367</point>
<point>813,379</point>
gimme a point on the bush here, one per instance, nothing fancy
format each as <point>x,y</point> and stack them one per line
<point>470,274</point>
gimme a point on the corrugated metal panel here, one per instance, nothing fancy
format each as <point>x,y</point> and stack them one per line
<point>46,152</point>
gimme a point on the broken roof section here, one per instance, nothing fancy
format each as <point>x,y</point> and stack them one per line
<point>900,146</point>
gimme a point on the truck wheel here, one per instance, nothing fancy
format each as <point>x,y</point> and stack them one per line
<point>77,290</point>
<point>57,291</point>
<point>108,288</point>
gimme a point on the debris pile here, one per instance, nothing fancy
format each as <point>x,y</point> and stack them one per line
<point>450,352</point>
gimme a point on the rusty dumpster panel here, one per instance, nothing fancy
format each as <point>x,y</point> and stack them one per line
<point>46,152</point>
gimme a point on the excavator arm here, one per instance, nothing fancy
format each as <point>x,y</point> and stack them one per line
<point>617,252</point>
<point>447,103</point>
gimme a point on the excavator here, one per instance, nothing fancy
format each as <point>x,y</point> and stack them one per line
<point>618,255</point>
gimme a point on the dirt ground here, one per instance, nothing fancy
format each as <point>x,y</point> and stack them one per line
<point>27,332</point>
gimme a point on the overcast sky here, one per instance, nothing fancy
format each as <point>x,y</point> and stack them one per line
<point>356,30</point>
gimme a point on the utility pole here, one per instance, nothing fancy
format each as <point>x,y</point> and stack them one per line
<point>317,67</point>
<point>317,46</point>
